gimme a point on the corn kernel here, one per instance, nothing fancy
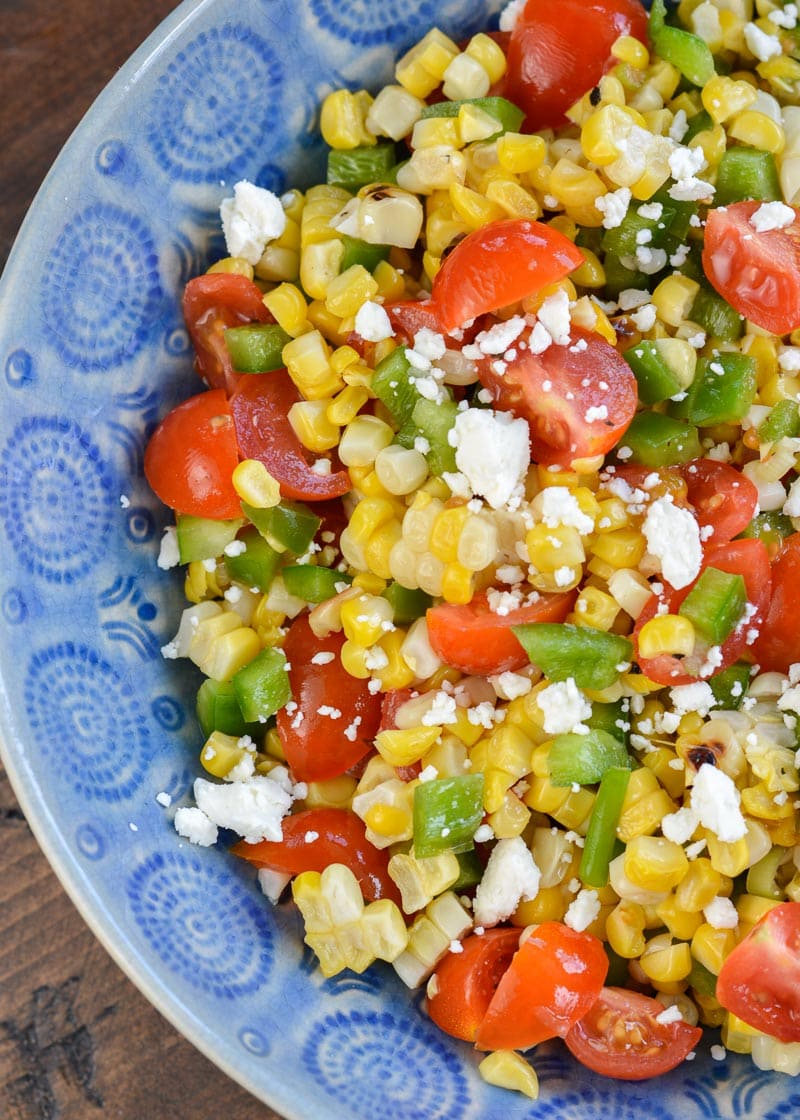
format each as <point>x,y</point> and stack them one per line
<point>508,1070</point>
<point>655,863</point>
<point>343,119</point>
<point>489,54</point>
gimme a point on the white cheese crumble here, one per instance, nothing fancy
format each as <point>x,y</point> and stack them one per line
<point>497,339</point>
<point>492,452</point>
<point>716,801</point>
<point>250,220</point>
<point>564,707</point>
<point>372,322</point>
<point>168,553</point>
<point>673,538</point>
<point>511,877</point>
<point>510,14</point>
<point>193,825</point>
<point>614,206</point>
<point>721,913</point>
<point>583,910</point>
<point>559,506</point>
<point>671,1014</point>
<point>759,43</point>
<point>554,316</point>
<point>253,808</point>
<point>772,215</point>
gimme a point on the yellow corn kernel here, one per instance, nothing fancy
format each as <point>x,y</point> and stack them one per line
<point>586,313</point>
<point>680,923</point>
<point>620,548</point>
<point>334,793</point>
<point>311,425</point>
<point>511,819</point>
<point>733,858</point>
<point>712,1013</point>
<point>667,634</point>
<point>655,863</point>
<point>673,298</point>
<point>235,265</point>
<point>508,1070</point>
<point>267,623</point>
<point>625,927</point>
<point>365,618</point>
<point>594,608</point>
<point>711,946</point>
<point>782,73</point>
<point>421,880</point>
<point>473,209</point>
<point>396,673</point>
<point>602,132</point>
<point>402,748</point>
<point>458,585</point>
<point>288,304</point>
<point>349,290</point>
<point>221,753</point>
<point>230,652</point>
<point>320,263</point>
<point>307,362</point>
<point>757,130</point>
<point>552,550</point>
<point>386,820</point>
<point>430,937</point>
<point>345,406</point>
<point>446,531</point>
<point>513,199</point>
<point>591,273</point>
<point>644,807</point>
<point>362,440</point>
<point>354,660</point>
<point>489,54</point>
<point>391,282</point>
<point>343,119</point>
<point>549,905</point>
<point>255,485</point>
<point>630,50</point>
<point>518,152</point>
<point>664,961</point>
<point>737,1035</point>
<point>200,584</point>
<point>568,808</point>
<point>723,97</point>
<point>322,203</point>
<point>700,886</point>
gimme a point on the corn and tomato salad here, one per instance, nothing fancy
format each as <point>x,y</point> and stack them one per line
<point>490,519</point>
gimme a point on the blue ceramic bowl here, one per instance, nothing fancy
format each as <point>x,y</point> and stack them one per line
<point>94,723</point>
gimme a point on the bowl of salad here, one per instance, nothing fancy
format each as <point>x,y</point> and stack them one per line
<point>401,522</point>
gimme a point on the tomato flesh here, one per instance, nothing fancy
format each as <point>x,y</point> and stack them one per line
<point>553,980</point>
<point>757,273</point>
<point>191,456</point>
<point>778,646</point>
<point>578,399</point>
<point>475,639</point>
<point>316,838</point>
<point>559,51</point>
<point>499,264</point>
<point>723,498</point>
<point>465,982</point>
<point>621,1037</point>
<point>212,303</point>
<point>260,408</point>
<point>760,979</point>
<point>319,743</point>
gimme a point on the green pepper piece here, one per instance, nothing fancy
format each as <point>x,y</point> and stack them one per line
<point>470,871</point>
<point>361,252</point>
<point>434,421</point>
<point>656,440</point>
<point>392,384</point>
<point>686,52</point>
<point>702,980</point>
<point>508,116</point>
<point>730,686</point>
<point>715,315</point>
<point>447,811</point>
<point>746,173</point>
<point>715,604</point>
<point>723,390</point>
<point>202,538</point>
<point>783,422</point>
<point>619,277</point>
<point>407,604</point>
<point>256,347</point>
<point>584,758</point>
<point>257,564</point>
<point>601,834</point>
<point>354,168</point>
<point>218,709</point>
<point>561,650</point>
<point>656,381</point>
<point>770,527</point>
<point>287,527</point>
<point>677,214</point>
<point>313,582</point>
<point>612,718</point>
<point>761,877</point>
<point>262,686</point>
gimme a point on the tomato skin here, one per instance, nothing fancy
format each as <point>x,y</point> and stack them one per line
<point>723,498</point>
<point>633,1055</point>
<point>316,746</point>
<point>260,407</point>
<point>746,557</point>
<point>553,980</point>
<point>474,639</point>
<point>757,273</point>
<point>191,455</point>
<point>559,51</point>
<point>778,646</point>
<point>499,264</point>
<point>466,981</point>
<point>538,387</point>
<point>760,979</point>
<point>341,838</point>
<point>212,303</point>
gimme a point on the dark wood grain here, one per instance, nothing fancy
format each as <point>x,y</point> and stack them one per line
<point>77,1040</point>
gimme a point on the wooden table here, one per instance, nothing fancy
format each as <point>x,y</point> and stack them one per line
<point>77,1040</point>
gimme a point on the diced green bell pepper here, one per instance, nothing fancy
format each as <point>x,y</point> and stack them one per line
<point>746,173</point>
<point>702,979</point>
<point>447,811</point>
<point>783,422</point>
<point>584,758</point>
<point>612,718</point>
<point>392,384</point>
<point>262,686</point>
<point>256,347</point>
<point>433,422</point>
<point>770,527</point>
<point>715,315</point>
<point>687,52</point>
<point>257,564</point>
<point>287,527</point>
<point>715,604</point>
<point>656,440</point>
<point>729,686</point>
<point>762,876</point>
<point>655,380</point>
<point>361,252</point>
<point>561,650</point>
<point>312,582</point>
<point>218,709</point>
<point>598,848</point>
<point>202,538</point>
<point>508,116</point>
<point>723,390</point>
<point>354,168</point>
<point>407,604</point>
<point>470,871</point>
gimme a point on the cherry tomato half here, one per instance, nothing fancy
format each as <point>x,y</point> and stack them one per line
<point>778,645</point>
<point>723,498</point>
<point>191,456</point>
<point>499,264</point>
<point>336,716</point>
<point>559,51</point>
<point>260,408</point>
<point>757,273</point>
<point>466,981</point>
<point>760,979</point>
<point>578,399</point>
<point>316,838</point>
<point>621,1036</point>
<point>475,639</point>
<point>212,303</point>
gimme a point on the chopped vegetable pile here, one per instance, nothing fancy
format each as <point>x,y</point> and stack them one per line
<point>490,515</point>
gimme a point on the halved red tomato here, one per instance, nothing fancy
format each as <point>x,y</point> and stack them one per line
<point>191,456</point>
<point>723,498</point>
<point>748,558</point>
<point>212,303</point>
<point>622,1036</point>
<point>316,838</point>
<point>578,399</point>
<point>778,645</point>
<point>760,979</point>
<point>475,639</point>
<point>260,407</point>
<point>758,273</point>
<point>334,718</point>
<point>560,50</point>
<point>465,982</point>
<point>499,264</point>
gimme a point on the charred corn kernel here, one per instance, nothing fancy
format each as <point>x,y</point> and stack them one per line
<point>430,937</point>
<point>513,199</point>
<point>518,152</point>
<point>680,923</point>
<point>757,130</point>
<point>472,208</point>
<point>549,905</point>
<point>711,946</point>
<point>200,584</point>
<point>230,652</point>
<point>235,265</point>
<point>221,753</point>
<point>288,305</point>
<point>340,929</point>
<point>604,133</point>
<point>421,880</point>
<point>343,119</point>
<point>508,1070</point>
<point>362,440</point>
<point>620,548</point>
<point>733,858</point>
<point>402,748</point>
<point>644,807</point>
<point>667,634</point>
<point>723,97</point>
<point>306,360</point>
<point>311,425</point>
<point>673,298</point>
<point>255,485</point>
<point>625,927</point>
<point>334,793</point>
<point>365,618</point>
<point>655,863</point>
<point>595,608</point>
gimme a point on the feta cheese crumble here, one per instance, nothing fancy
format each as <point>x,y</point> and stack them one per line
<point>492,452</point>
<point>511,877</point>
<point>250,220</point>
<point>673,538</point>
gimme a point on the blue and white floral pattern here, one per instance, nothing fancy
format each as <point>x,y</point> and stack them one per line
<point>94,722</point>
